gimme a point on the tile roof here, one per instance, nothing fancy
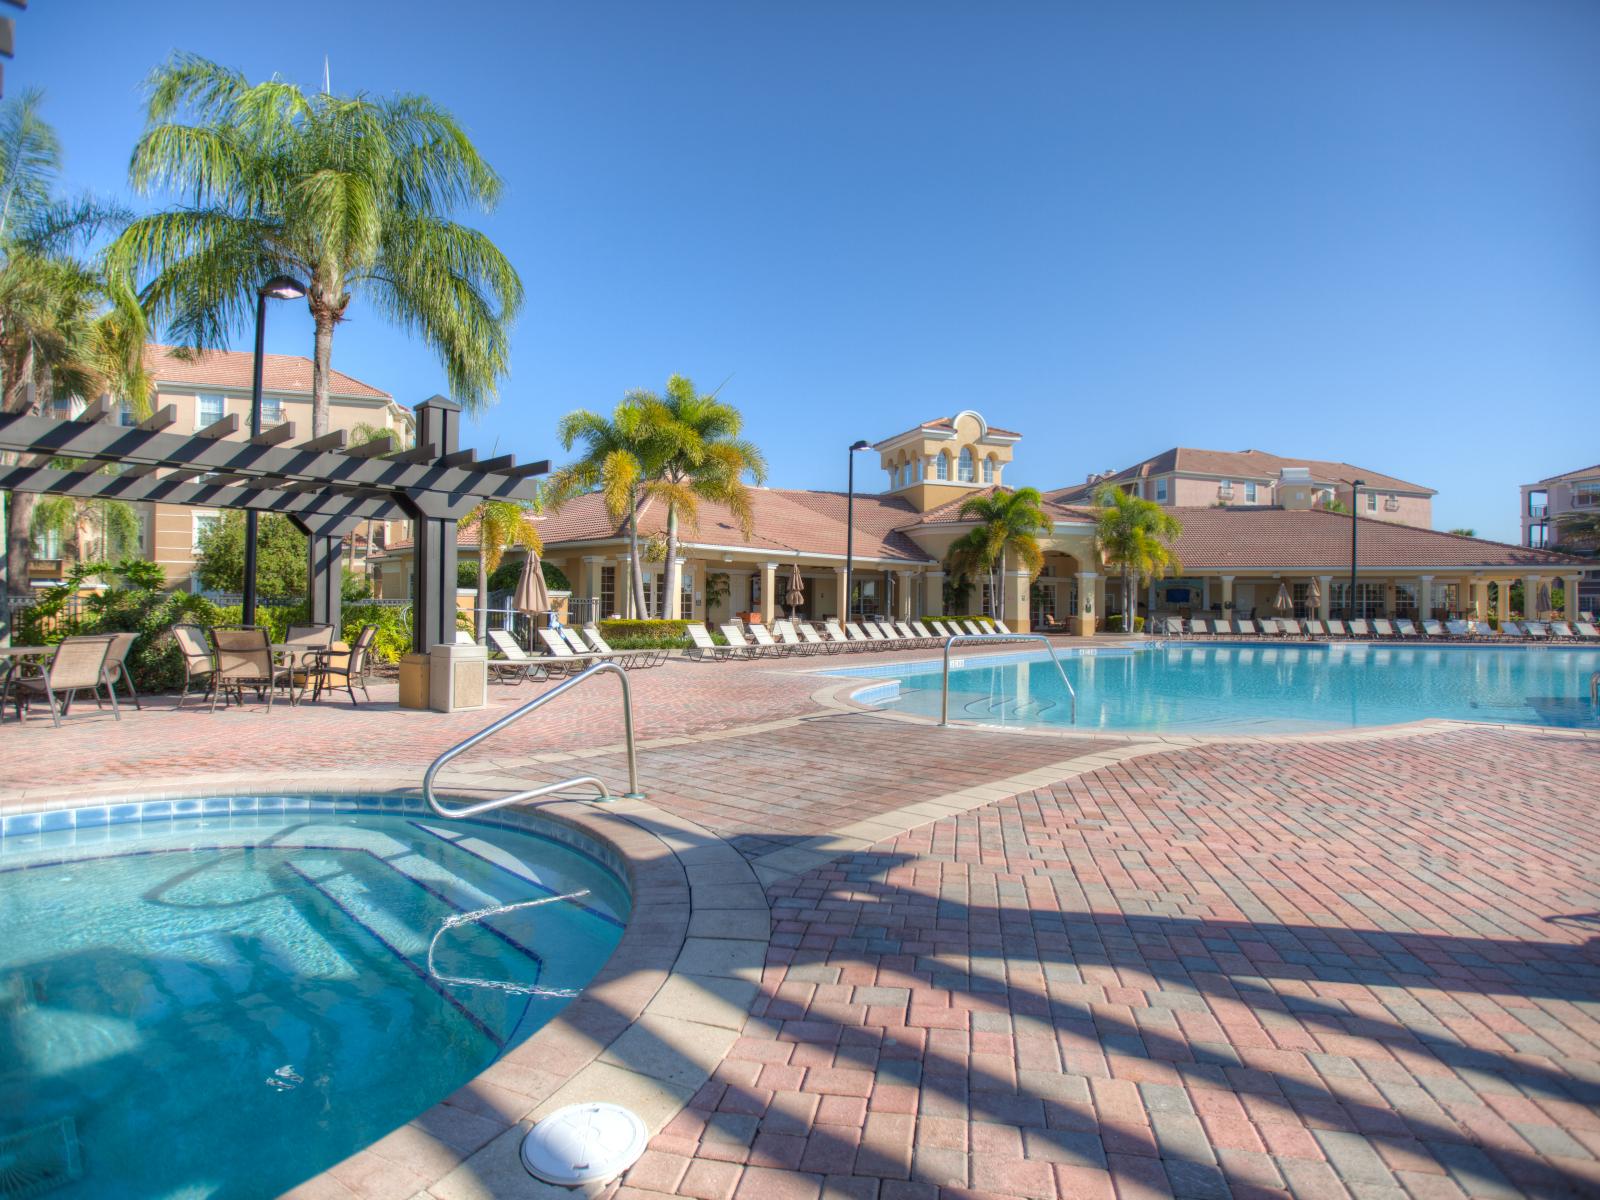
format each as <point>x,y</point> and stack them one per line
<point>1220,538</point>
<point>949,513</point>
<point>786,521</point>
<point>234,369</point>
<point>943,424</point>
<point>1237,464</point>
<point>1581,473</point>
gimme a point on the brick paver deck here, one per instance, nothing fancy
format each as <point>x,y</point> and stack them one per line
<point>1359,968</point>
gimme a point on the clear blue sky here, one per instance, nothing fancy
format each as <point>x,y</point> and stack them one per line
<point>1360,229</point>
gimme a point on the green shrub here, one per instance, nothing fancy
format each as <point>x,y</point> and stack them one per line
<point>645,635</point>
<point>508,574</point>
<point>981,621</point>
<point>1114,623</point>
<point>154,660</point>
<point>467,574</point>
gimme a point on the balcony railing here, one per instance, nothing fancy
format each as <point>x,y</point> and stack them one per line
<point>1538,511</point>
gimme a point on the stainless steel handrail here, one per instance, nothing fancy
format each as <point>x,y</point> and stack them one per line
<point>603,668</point>
<point>944,704</point>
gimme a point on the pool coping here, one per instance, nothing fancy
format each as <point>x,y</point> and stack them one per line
<point>647,1030</point>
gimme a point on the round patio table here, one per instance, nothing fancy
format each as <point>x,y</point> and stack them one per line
<point>300,659</point>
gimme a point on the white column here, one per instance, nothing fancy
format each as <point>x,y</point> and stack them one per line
<point>1530,596</point>
<point>1325,609</point>
<point>904,582</point>
<point>1424,597</point>
<point>844,601</point>
<point>1569,584</point>
<point>1090,603</point>
<point>624,586</point>
<point>769,588</point>
<point>1227,596</point>
<point>933,593</point>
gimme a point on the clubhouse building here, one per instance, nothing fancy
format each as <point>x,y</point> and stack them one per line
<point>1252,522</point>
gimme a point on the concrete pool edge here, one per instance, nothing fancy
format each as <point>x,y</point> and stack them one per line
<point>647,1031</point>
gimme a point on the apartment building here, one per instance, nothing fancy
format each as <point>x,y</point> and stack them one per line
<point>1546,502</point>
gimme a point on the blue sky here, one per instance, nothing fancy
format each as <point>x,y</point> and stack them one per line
<point>1361,229</point>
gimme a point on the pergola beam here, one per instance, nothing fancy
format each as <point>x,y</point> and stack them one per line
<point>213,494</point>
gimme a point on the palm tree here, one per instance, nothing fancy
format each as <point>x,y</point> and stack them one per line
<point>97,529</point>
<point>1579,531</point>
<point>618,455</point>
<point>699,456</point>
<point>350,194</point>
<point>1008,522</point>
<point>501,524</point>
<point>1136,535</point>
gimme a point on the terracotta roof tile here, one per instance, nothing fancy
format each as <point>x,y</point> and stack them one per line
<point>1580,473</point>
<point>1237,464</point>
<point>233,369</point>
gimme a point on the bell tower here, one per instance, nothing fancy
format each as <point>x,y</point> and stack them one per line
<point>945,459</point>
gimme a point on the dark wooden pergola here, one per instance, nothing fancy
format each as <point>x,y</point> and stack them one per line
<point>327,488</point>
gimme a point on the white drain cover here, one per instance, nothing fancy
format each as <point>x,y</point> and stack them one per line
<point>584,1143</point>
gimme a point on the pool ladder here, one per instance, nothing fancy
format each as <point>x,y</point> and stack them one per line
<point>511,718</point>
<point>944,703</point>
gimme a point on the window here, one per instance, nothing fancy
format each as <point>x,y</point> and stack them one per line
<point>47,545</point>
<point>1372,501</point>
<point>1538,536</point>
<point>964,471</point>
<point>1161,491</point>
<point>209,409</point>
<point>942,467</point>
<point>988,470</point>
<point>1586,495</point>
<point>1538,503</point>
<point>1249,493</point>
<point>685,591</point>
<point>126,417</point>
<point>271,411</point>
<point>1225,489</point>
<point>203,522</point>
<point>608,590</point>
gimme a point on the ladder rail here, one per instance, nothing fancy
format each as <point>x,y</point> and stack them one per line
<point>944,702</point>
<point>511,718</point>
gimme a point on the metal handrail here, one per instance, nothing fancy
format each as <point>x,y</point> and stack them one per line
<point>633,793</point>
<point>944,704</point>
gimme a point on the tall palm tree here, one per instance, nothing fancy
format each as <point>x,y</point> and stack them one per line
<point>1136,535</point>
<point>501,524</point>
<point>700,456</point>
<point>350,194</point>
<point>619,454</point>
<point>1008,522</point>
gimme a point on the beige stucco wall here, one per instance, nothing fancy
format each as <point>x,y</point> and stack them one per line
<point>922,449</point>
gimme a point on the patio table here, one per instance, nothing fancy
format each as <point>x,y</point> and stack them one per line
<point>300,658</point>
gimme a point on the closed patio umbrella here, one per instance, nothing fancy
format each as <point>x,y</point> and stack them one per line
<point>1284,602</point>
<point>531,597</point>
<point>796,595</point>
<point>1314,596</point>
<point>1544,598</point>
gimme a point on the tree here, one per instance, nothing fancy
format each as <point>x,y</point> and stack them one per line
<point>95,527</point>
<point>1008,522</point>
<point>349,194</point>
<point>65,328</point>
<point>618,455</point>
<point>1579,531</point>
<point>1465,532</point>
<point>1136,535</point>
<point>501,525</point>
<point>699,455</point>
<point>280,556</point>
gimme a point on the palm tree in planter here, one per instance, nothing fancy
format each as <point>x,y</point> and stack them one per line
<point>501,525</point>
<point>699,455</point>
<point>1008,522</point>
<point>347,193</point>
<point>619,454</point>
<point>1137,536</point>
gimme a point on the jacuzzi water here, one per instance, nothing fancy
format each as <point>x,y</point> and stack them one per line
<point>225,1005</point>
<point>1193,688</point>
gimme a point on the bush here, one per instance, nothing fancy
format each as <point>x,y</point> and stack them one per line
<point>646,635</point>
<point>467,574</point>
<point>508,574</point>
<point>981,621</point>
<point>390,640</point>
<point>1114,623</point>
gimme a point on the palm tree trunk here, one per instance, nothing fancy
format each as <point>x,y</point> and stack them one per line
<point>635,564</point>
<point>19,528</point>
<point>669,599</point>
<point>483,592</point>
<point>321,365</point>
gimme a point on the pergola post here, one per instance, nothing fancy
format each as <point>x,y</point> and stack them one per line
<point>325,566</point>
<point>433,564</point>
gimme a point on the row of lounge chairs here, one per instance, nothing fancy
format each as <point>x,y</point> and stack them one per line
<point>566,652</point>
<point>788,637</point>
<point>1380,628</point>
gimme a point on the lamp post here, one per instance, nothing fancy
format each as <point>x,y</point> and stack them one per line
<point>1355,525</point>
<point>279,287</point>
<point>850,532</point>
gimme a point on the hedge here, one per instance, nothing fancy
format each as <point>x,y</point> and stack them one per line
<point>1114,623</point>
<point>645,635</point>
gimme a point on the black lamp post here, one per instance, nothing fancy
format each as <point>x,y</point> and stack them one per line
<point>850,532</point>
<point>1355,525</point>
<point>279,287</point>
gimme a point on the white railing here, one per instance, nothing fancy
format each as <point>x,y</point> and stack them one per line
<point>944,703</point>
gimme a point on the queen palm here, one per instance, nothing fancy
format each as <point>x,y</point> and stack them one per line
<point>501,525</point>
<point>618,456</point>
<point>698,455</point>
<point>1135,535</point>
<point>1008,522</point>
<point>349,194</point>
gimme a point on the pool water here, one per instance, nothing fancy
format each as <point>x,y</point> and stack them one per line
<point>1200,689</point>
<point>226,1005</point>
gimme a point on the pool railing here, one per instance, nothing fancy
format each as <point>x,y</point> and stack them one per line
<point>944,701</point>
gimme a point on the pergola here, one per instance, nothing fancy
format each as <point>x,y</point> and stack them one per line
<point>326,487</point>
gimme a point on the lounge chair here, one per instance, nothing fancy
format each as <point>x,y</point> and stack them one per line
<point>862,639</point>
<point>1269,627</point>
<point>78,665</point>
<point>1404,627</point>
<point>1562,631</point>
<point>558,648</point>
<point>926,634</point>
<point>886,636</point>
<point>1172,626</point>
<point>941,629</point>
<point>350,667</point>
<point>116,666</point>
<point>1510,629</point>
<point>976,630</point>
<point>1336,628</point>
<point>631,660</point>
<point>736,639</point>
<point>704,648</point>
<point>244,659</point>
<point>1247,627</point>
<point>199,663</point>
<point>1459,630</point>
<point>1537,630</point>
<point>1586,631</point>
<point>790,638</point>
<point>838,637</point>
<point>1314,629</point>
<point>815,640</point>
<point>463,638</point>
<point>1001,627</point>
<point>1381,627</point>
<point>516,664</point>
<point>763,638</point>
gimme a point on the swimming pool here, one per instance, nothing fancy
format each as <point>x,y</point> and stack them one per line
<point>1199,689</point>
<point>225,999</point>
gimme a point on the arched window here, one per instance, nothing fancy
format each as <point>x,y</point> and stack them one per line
<point>988,469</point>
<point>964,472</point>
<point>942,469</point>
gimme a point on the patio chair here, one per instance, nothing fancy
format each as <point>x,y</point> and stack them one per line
<point>1314,629</point>
<point>837,635</point>
<point>557,647</point>
<point>1336,628</point>
<point>1537,630</point>
<point>1459,630</point>
<point>117,664</point>
<point>862,640</point>
<point>244,659</point>
<point>77,665</point>
<point>350,666</point>
<point>1246,626</point>
<point>744,647</point>
<point>812,638</point>
<point>517,664</point>
<point>632,660</point>
<point>198,661</point>
<point>704,649</point>
<point>1510,629</point>
<point>1586,631</point>
<point>1404,627</point>
<point>762,636</point>
<point>789,637</point>
<point>1560,630</point>
<point>317,637</point>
